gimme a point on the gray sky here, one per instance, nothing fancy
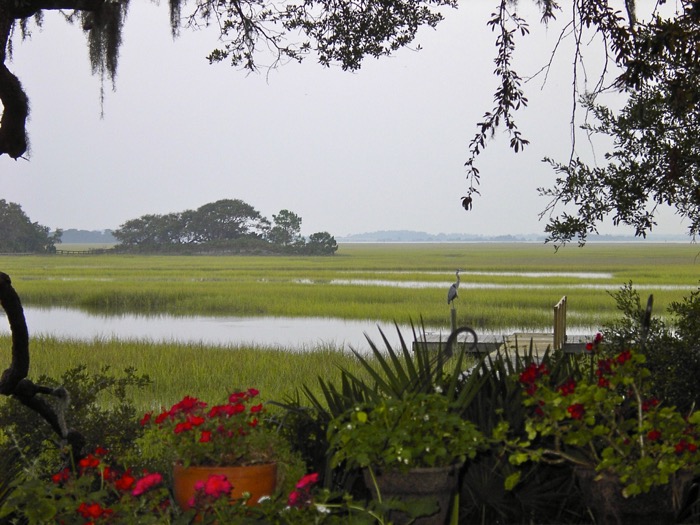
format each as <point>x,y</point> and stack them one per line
<point>379,149</point>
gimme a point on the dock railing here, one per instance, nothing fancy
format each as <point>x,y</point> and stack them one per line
<point>559,324</point>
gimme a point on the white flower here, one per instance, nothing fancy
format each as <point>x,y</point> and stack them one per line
<point>426,417</point>
<point>349,427</point>
<point>323,509</point>
<point>438,389</point>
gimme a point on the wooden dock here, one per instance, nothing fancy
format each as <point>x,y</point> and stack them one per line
<point>518,342</point>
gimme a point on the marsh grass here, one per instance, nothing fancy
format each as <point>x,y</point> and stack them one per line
<point>501,287</point>
<point>177,370</point>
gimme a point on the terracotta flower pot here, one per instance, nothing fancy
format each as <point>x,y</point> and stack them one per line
<point>258,480</point>
<point>437,484</point>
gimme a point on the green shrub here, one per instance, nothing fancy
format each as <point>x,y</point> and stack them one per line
<point>673,352</point>
<point>99,408</point>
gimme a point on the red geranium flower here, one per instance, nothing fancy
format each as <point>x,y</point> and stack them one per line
<point>567,388</point>
<point>93,510</point>
<point>62,476</point>
<point>89,461</point>
<point>182,427</point>
<point>624,356</point>
<point>648,404</point>
<point>530,375</point>
<point>654,435</point>
<point>576,411</point>
<point>125,482</point>
<point>188,404</point>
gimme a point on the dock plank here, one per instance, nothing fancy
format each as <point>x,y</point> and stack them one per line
<point>519,340</point>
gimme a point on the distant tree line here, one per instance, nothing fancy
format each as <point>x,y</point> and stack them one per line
<point>18,234</point>
<point>224,226</point>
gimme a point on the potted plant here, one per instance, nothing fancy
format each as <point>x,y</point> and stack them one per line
<point>410,448</point>
<point>230,439</point>
<point>621,441</point>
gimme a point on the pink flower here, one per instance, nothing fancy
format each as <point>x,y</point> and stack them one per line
<point>295,499</point>
<point>301,495</point>
<point>146,483</point>
<point>309,479</point>
<point>216,485</point>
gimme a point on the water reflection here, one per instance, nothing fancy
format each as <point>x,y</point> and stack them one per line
<point>279,332</point>
<point>487,286</point>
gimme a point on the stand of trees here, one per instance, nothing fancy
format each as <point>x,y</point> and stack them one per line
<point>18,234</point>
<point>224,226</point>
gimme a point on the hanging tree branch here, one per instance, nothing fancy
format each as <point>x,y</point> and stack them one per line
<point>98,17</point>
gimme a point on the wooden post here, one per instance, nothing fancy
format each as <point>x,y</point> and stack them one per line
<point>453,319</point>
<point>559,324</point>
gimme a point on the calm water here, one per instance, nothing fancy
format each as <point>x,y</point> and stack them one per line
<point>304,333</point>
<point>285,332</point>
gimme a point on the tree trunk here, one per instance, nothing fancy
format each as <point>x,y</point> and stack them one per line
<point>14,382</point>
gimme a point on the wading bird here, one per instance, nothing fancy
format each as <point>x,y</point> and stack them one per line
<point>452,292</point>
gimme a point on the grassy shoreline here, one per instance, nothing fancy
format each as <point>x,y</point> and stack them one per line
<point>177,370</point>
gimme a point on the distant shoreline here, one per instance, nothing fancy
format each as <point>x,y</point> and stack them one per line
<point>105,237</point>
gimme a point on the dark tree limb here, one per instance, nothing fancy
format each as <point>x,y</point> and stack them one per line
<point>14,382</point>
<point>13,134</point>
<point>19,368</point>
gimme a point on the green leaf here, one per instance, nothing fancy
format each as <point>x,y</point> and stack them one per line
<point>518,458</point>
<point>512,480</point>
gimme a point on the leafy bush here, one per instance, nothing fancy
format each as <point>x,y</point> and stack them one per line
<point>420,430</point>
<point>548,494</point>
<point>673,353</point>
<point>98,407</point>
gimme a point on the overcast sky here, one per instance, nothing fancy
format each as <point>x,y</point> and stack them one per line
<point>379,149</point>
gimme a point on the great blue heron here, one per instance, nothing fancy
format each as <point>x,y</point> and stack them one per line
<point>452,292</point>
